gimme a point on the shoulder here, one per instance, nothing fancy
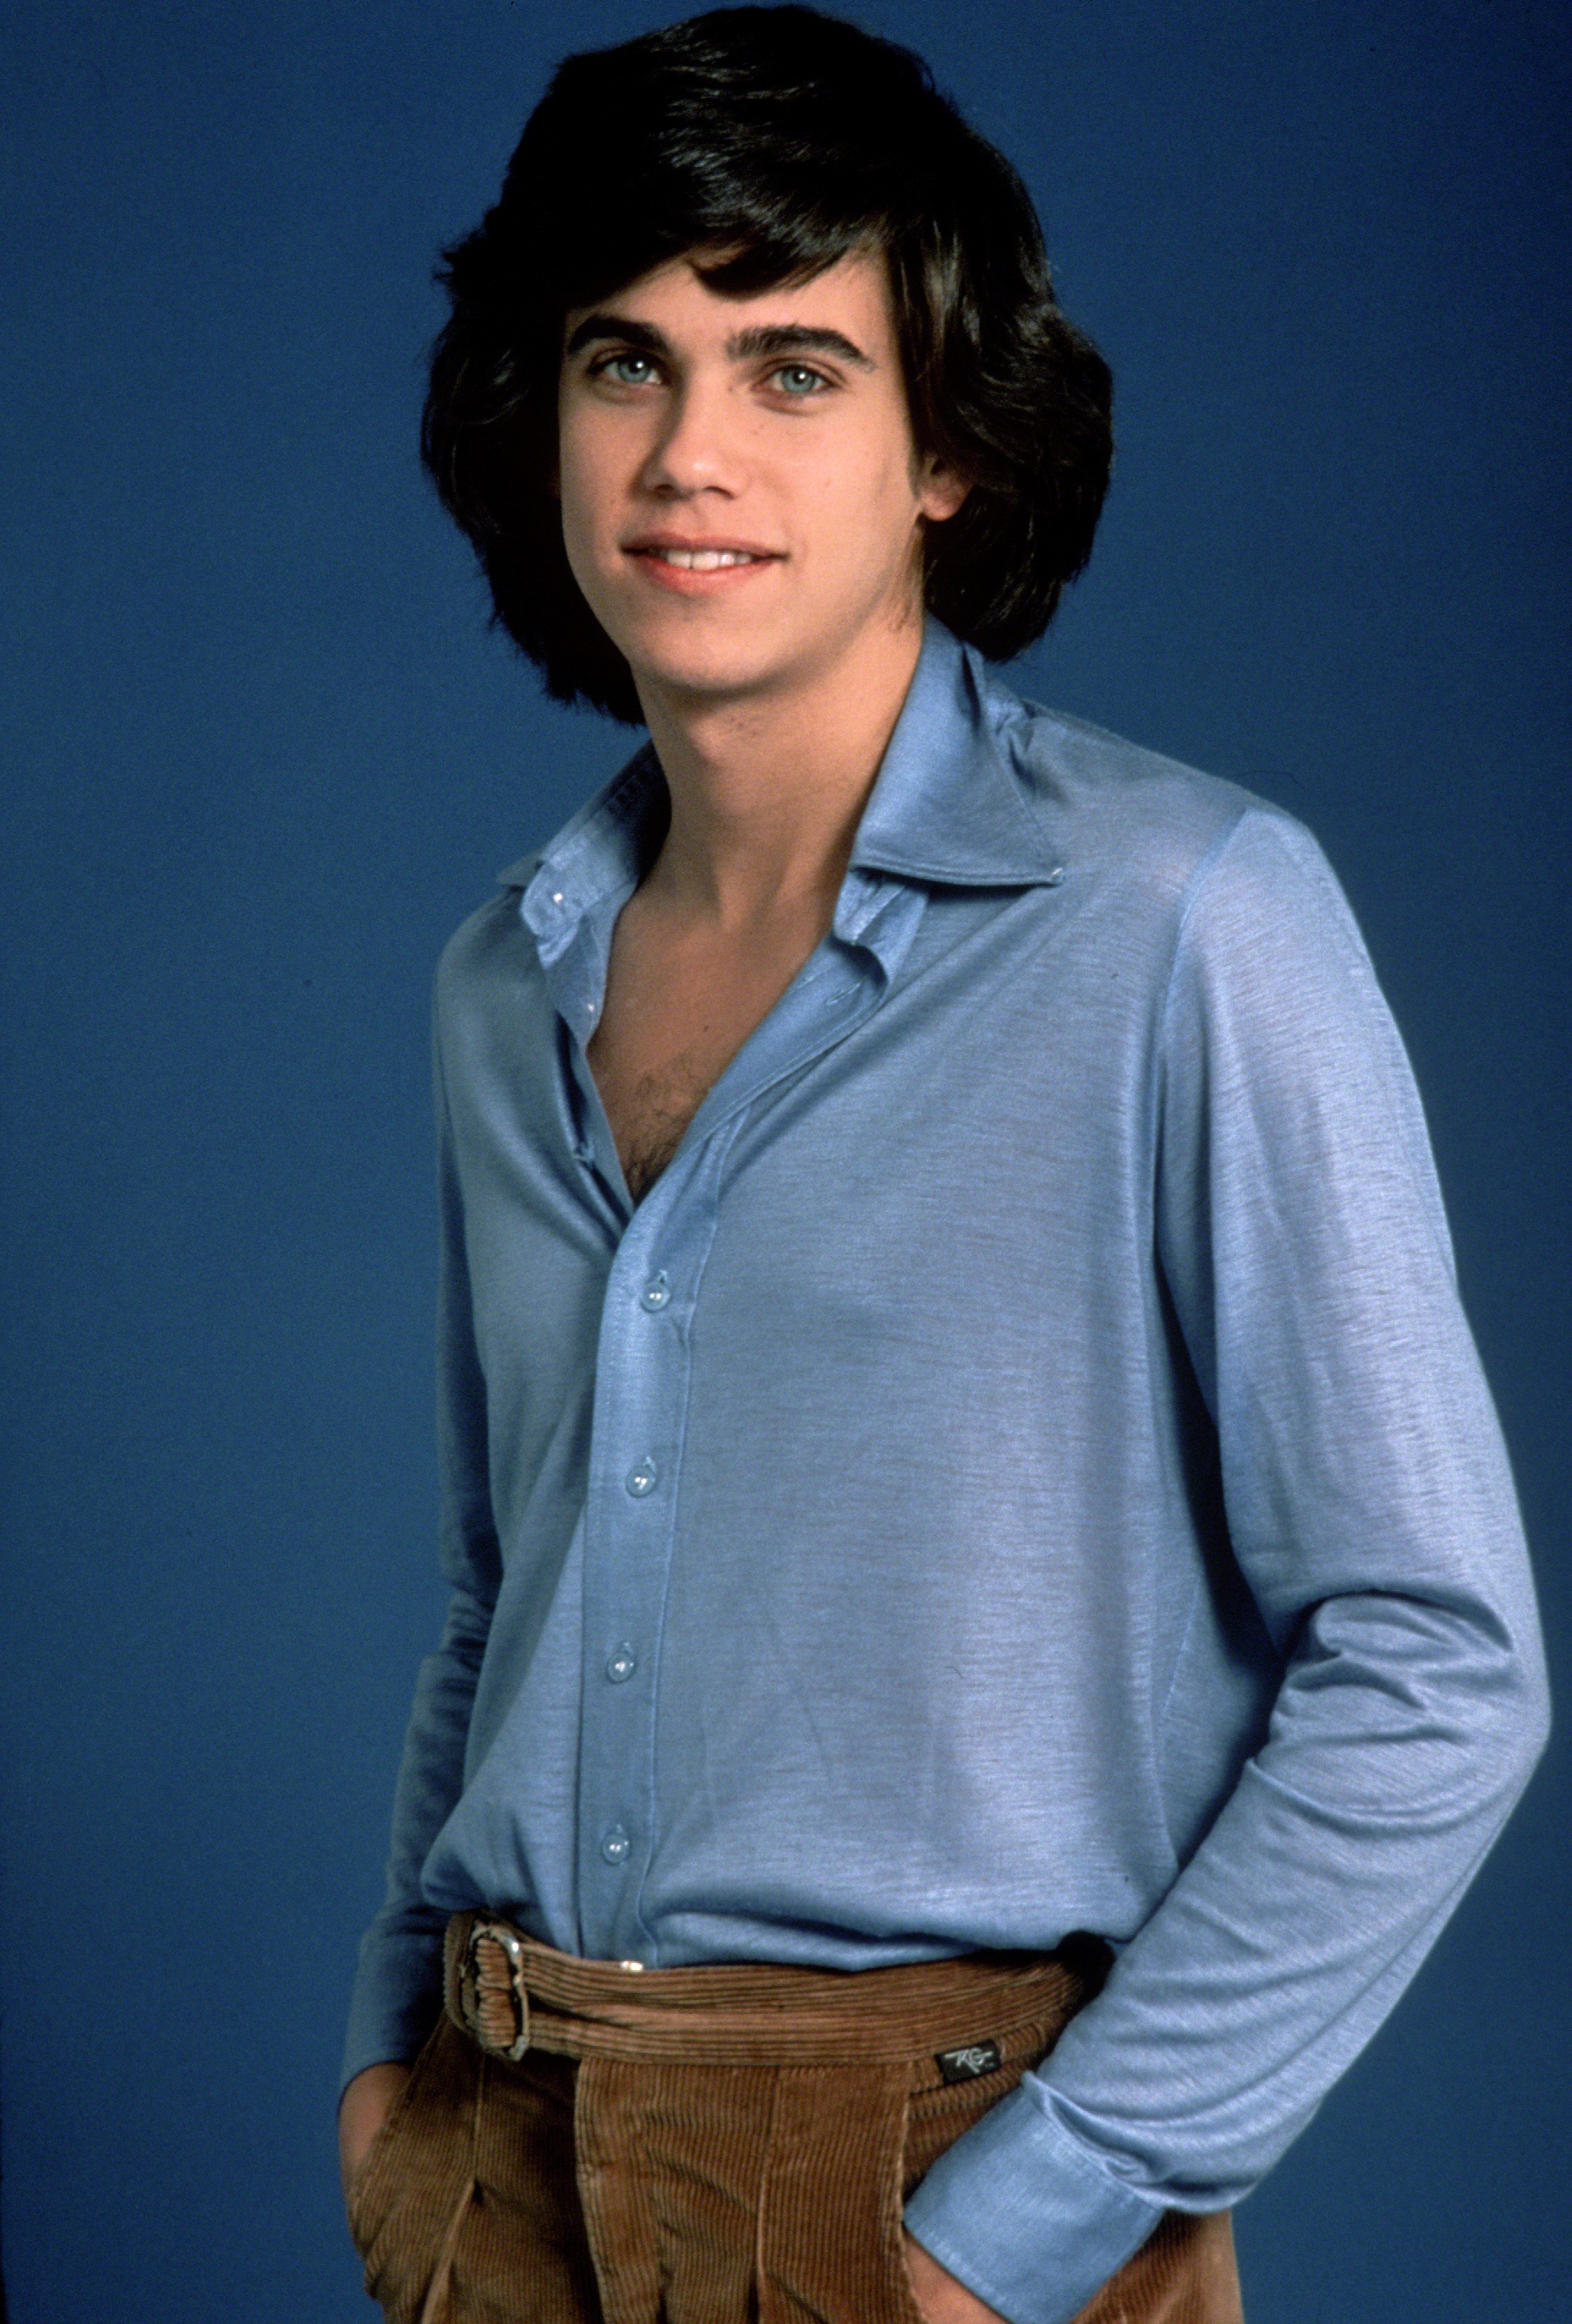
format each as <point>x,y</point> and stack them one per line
<point>489,992</point>
<point>492,938</point>
<point>1192,848</point>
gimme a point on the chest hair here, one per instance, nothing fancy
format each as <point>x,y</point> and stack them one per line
<point>649,1117</point>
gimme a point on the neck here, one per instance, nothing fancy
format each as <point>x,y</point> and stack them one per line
<point>767,789</point>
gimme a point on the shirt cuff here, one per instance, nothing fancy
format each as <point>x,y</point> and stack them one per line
<point>397,2000</point>
<point>1024,2216</point>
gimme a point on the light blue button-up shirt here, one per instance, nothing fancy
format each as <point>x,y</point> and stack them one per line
<point>1022,1468</point>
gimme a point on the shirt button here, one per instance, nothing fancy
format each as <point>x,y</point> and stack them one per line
<point>656,1292</point>
<point>643,1479</point>
<point>621,1664</point>
<point>616,1846</point>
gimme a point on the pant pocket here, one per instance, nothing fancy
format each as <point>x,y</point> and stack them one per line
<point>935,2119</point>
<point>1184,2274</point>
<point>408,2201</point>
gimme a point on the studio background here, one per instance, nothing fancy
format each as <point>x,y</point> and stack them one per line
<point>262,754</point>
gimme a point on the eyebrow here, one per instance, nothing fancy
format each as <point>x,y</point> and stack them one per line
<point>761,339</point>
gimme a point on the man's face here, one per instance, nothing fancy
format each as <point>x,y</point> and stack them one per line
<point>741,499</point>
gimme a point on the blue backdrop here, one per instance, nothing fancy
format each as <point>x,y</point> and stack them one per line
<point>264,754</point>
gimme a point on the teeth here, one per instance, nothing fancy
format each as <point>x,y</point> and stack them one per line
<point>704,560</point>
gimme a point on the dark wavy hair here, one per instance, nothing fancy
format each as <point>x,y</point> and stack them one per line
<point>766,144</point>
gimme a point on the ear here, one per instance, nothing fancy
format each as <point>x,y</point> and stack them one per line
<point>941,491</point>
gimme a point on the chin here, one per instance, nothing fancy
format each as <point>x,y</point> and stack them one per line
<point>704,665</point>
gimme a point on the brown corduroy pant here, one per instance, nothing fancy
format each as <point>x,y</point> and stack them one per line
<point>716,2146</point>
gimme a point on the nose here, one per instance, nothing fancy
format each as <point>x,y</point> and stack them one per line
<point>698,448</point>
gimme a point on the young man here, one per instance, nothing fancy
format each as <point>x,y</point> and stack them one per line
<point>963,1465</point>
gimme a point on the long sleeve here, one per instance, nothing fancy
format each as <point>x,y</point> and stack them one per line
<point>1370,1510</point>
<point>397,1991</point>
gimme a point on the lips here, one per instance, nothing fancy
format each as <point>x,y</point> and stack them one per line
<point>701,560</point>
<point>679,554</point>
<point>679,565</point>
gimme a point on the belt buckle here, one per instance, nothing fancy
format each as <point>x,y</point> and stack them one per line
<point>491,1990</point>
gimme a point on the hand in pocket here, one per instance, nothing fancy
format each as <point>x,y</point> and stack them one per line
<point>364,2108</point>
<point>941,2297</point>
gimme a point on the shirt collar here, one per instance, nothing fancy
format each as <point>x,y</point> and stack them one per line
<point>946,806</point>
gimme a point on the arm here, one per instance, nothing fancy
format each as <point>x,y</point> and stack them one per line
<point>1371,1511</point>
<point>398,1991</point>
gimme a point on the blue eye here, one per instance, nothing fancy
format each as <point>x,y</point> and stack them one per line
<point>630,371</point>
<point>796,379</point>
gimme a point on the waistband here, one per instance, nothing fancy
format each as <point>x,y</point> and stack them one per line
<point>512,1993</point>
